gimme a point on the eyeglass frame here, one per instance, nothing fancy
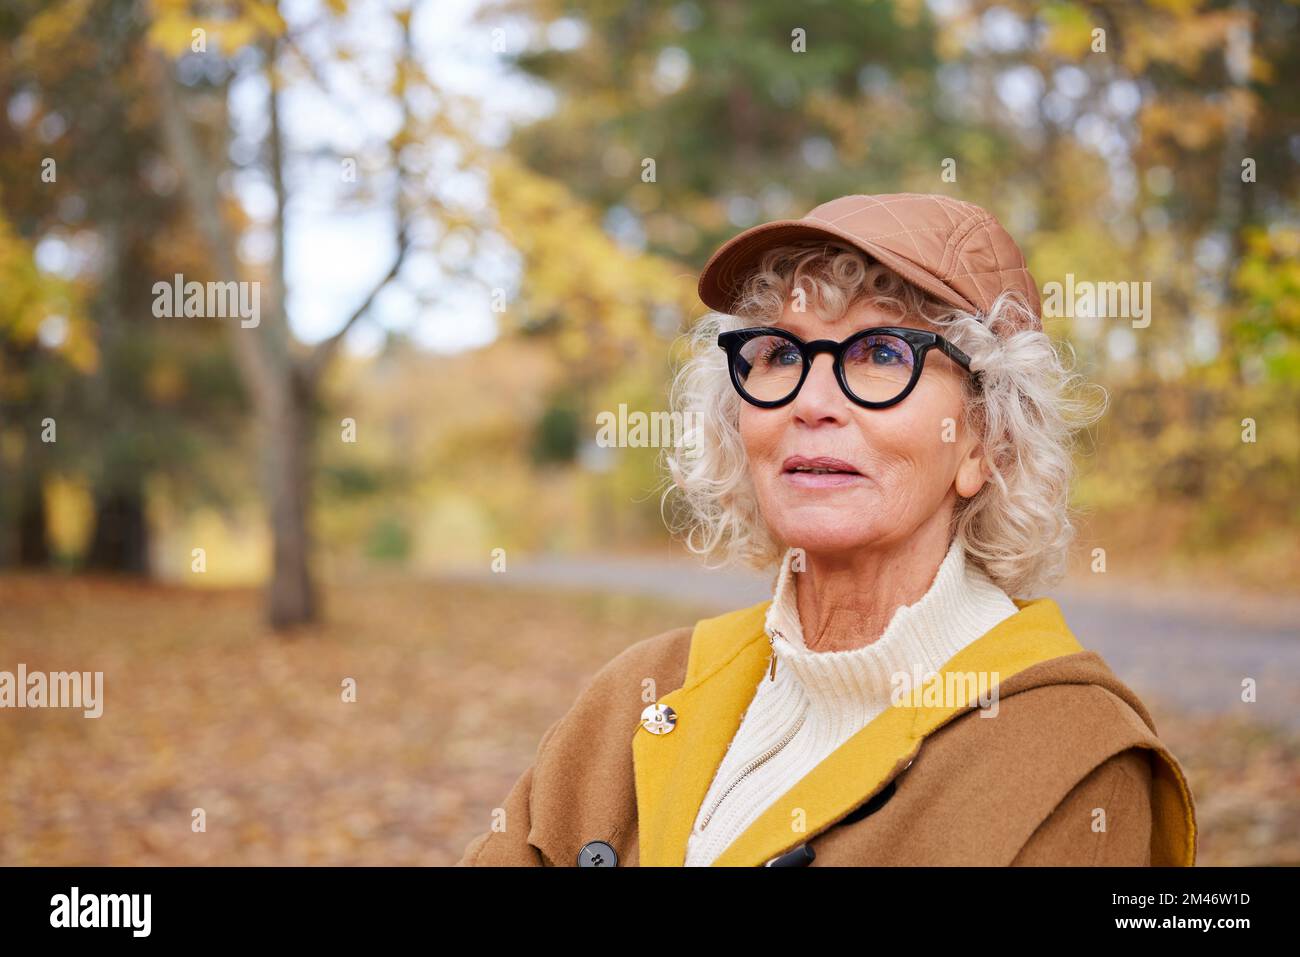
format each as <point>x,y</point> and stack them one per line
<point>919,340</point>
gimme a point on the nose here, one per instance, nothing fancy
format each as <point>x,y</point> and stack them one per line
<point>820,399</point>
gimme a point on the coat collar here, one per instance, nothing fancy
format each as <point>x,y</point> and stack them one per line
<point>728,657</point>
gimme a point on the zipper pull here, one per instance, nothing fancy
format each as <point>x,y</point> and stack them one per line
<point>771,640</point>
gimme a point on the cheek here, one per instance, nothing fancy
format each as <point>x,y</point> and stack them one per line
<point>916,443</point>
<point>760,431</point>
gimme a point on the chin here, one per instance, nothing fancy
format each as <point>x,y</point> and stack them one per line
<point>830,537</point>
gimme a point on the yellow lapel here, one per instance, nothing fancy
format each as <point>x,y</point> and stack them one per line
<point>728,657</point>
<point>673,771</point>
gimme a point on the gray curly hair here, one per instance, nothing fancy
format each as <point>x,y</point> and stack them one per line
<point>1026,408</point>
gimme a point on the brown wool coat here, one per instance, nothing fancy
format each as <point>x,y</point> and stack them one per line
<point>1069,770</point>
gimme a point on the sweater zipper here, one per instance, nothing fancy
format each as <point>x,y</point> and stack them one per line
<point>771,640</point>
<point>749,768</point>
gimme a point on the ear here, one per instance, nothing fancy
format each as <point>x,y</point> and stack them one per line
<point>971,473</point>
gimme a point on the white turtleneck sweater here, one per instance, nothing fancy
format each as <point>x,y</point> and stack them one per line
<point>817,700</point>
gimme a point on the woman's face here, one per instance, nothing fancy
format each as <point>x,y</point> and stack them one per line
<point>909,462</point>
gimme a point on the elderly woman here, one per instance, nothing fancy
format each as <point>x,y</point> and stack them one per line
<point>883,420</point>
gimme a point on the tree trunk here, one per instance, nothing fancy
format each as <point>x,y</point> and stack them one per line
<point>283,386</point>
<point>8,512</point>
<point>33,543</point>
<point>286,440</point>
<point>121,539</point>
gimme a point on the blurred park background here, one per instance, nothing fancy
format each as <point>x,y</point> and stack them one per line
<point>474,226</point>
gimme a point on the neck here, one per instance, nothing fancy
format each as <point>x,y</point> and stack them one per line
<point>846,599</point>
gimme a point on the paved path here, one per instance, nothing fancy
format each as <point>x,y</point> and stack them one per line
<point>1185,650</point>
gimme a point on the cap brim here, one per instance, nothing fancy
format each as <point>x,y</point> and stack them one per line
<point>733,261</point>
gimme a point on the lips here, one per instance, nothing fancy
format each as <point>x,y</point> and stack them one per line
<point>820,465</point>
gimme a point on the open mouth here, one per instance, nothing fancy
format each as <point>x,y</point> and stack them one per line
<point>821,465</point>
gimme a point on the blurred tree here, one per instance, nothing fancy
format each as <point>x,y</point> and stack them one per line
<point>681,123</point>
<point>82,123</point>
<point>32,385</point>
<point>558,432</point>
<point>198,57</point>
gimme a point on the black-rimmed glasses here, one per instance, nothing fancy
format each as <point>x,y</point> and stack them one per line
<point>876,367</point>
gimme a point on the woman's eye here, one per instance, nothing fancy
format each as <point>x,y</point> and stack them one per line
<point>782,354</point>
<point>886,351</point>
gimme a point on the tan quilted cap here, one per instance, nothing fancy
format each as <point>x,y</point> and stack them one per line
<point>955,250</point>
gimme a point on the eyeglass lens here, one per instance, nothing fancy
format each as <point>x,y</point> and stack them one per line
<point>876,367</point>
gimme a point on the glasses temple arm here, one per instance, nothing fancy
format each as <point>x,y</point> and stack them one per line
<point>956,355</point>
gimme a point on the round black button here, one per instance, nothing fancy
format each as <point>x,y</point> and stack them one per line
<point>801,856</point>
